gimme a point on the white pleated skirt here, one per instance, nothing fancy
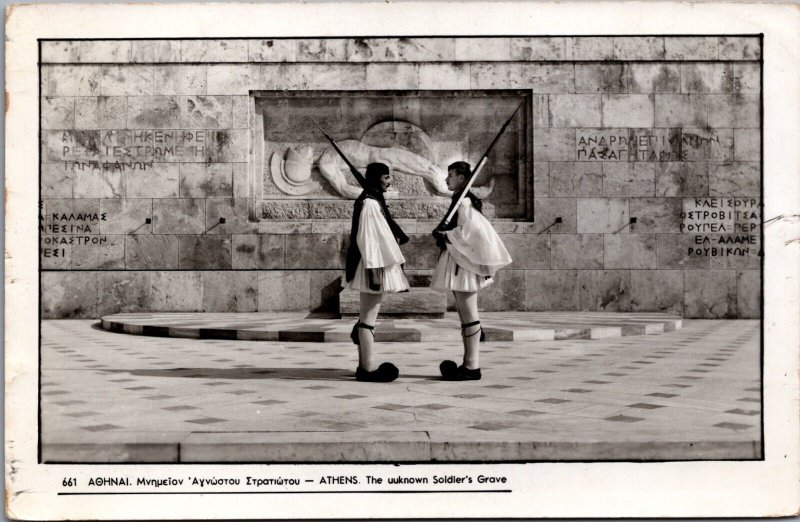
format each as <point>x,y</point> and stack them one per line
<point>392,280</point>
<point>450,276</point>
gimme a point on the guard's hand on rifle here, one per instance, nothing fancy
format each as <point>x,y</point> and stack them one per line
<point>374,279</point>
<point>441,239</point>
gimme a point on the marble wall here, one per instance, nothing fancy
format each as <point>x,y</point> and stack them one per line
<point>146,192</point>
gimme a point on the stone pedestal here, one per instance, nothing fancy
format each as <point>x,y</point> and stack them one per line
<point>417,302</point>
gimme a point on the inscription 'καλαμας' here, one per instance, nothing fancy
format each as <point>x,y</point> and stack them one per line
<point>62,230</point>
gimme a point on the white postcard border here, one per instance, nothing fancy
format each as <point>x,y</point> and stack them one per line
<point>676,489</point>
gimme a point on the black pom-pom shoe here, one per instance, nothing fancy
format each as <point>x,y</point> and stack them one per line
<point>452,372</point>
<point>386,372</point>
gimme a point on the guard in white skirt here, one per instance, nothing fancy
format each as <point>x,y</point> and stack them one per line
<point>471,254</point>
<point>374,267</point>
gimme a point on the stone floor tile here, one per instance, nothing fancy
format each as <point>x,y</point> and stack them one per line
<point>229,400</point>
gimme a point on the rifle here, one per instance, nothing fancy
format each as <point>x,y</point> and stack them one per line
<point>398,233</point>
<point>473,176</point>
<point>359,177</point>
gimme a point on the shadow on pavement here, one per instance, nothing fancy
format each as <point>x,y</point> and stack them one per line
<point>311,374</point>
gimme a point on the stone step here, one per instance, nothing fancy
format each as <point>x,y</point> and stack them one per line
<point>373,446</point>
<point>417,302</point>
<point>498,326</point>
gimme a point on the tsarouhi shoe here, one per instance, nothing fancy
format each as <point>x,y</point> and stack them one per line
<point>452,372</point>
<point>386,372</point>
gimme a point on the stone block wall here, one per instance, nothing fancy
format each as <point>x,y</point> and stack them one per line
<point>146,145</point>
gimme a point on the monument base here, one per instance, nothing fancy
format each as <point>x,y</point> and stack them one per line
<point>417,302</point>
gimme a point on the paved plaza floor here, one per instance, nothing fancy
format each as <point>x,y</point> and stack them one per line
<point>691,393</point>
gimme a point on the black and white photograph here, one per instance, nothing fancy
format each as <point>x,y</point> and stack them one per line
<point>409,258</point>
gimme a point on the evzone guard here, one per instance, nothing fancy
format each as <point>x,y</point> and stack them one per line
<point>374,262</point>
<point>471,254</point>
<point>373,268</point>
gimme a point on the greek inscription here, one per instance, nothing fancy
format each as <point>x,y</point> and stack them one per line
<point>60,230</point>
<point>108,166</point>
<point>118,149</point>
<point>610,147</point>
<point>732,223</point>
<point>658,145</point>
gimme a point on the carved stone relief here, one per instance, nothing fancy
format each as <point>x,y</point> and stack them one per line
<point>416,135</point>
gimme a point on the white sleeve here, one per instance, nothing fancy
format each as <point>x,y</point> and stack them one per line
<point>376,243</point>
<point>474,244</point>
